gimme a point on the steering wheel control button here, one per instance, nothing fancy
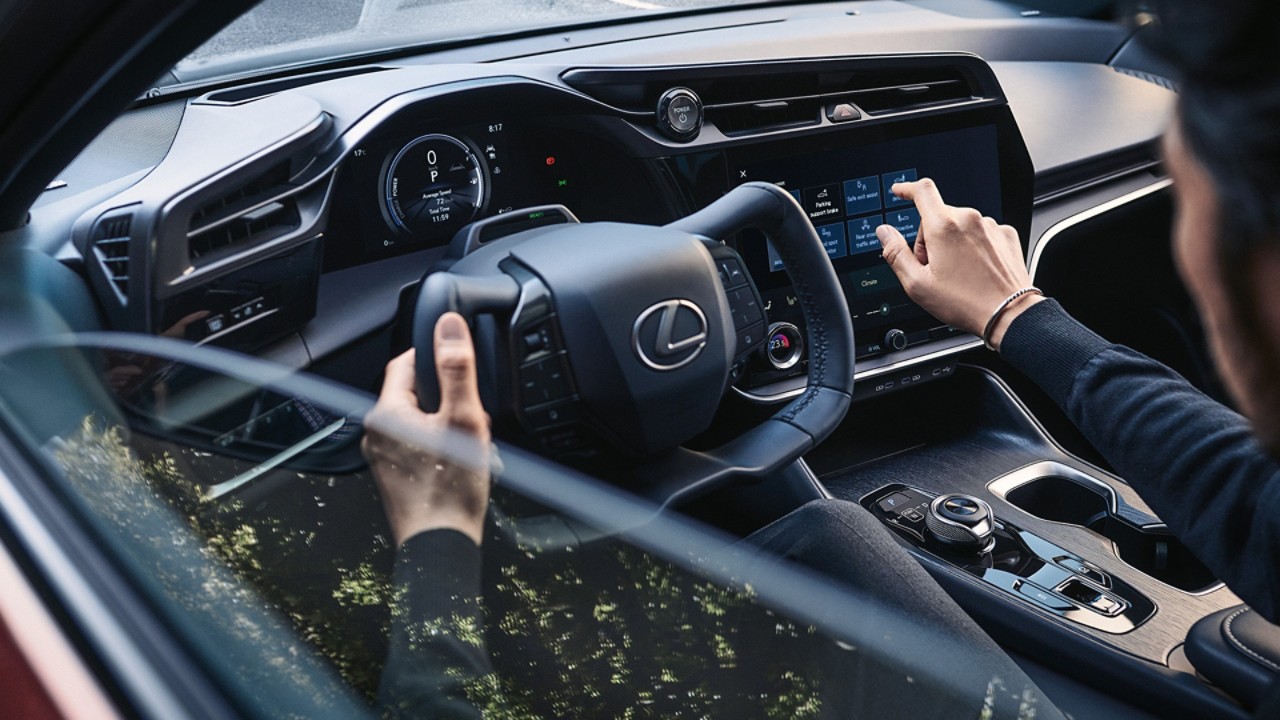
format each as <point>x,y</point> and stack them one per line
<point>731,274</point>
<point>565,440</point>
<point>537,340</point>
<point>670,334</point>
<point>842,112</point>
<point>961,522</point>
<point>554,415</point>
<point>680,114</point>
<point>750,338</point>
<point>745,307</point>
<point>785,346</point>
<point>895,340</point>
<point>544,381</point>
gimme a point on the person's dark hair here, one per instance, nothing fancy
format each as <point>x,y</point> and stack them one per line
<point>1226,55</point>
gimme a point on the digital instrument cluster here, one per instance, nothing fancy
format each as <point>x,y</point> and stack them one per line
<point>434,185</point>
<point>417,182</point>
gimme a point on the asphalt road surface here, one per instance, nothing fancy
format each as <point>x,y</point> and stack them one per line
<point>281,23</point>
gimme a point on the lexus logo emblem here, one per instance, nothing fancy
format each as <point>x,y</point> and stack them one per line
<point>670,334</point>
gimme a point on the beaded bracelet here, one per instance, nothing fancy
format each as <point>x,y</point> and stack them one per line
<point>991,324</point>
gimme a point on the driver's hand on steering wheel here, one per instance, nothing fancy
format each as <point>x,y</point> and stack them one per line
<point>432,469</point>
<point>964,265</point>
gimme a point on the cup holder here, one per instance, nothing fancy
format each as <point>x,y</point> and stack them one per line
<point>1154,551</point>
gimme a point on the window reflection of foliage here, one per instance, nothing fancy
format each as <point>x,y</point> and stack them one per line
<point>615,632</point>
<point>127,485</point>
<point>605,631</point>
<point>120,488</point>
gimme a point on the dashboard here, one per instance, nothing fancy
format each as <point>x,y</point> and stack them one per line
<point>294,217</point>
<point>401,185</point>
<point>416,182</point>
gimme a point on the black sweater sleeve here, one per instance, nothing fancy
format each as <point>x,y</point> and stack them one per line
<point>1194,461</point>
<point>437,646</point>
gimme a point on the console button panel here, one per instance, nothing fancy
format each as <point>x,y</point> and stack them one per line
<point>1028,568</point>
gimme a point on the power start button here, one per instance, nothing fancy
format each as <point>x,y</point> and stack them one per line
<point>679,114</point>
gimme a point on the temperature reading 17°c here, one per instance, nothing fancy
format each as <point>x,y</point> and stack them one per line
<point>434,185</point>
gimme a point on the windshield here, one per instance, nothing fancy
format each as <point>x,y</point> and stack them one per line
<point>278,32</point>
<point>297,33</point>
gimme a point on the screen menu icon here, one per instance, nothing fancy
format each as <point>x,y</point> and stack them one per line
<point>862,195</point>
<point>907,222</point>
<point>822,202</point>
<point>862,234</point>
<point>859,196</point>
<point>832,237</point>
<point>897,177</point>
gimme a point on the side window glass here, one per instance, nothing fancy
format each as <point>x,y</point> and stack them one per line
<point>237,500</point>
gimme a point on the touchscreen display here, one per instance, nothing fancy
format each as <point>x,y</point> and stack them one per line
<point>846,194</point>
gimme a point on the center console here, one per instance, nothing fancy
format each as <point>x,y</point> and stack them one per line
<point>1025,566</point>
<point>1056,558</point>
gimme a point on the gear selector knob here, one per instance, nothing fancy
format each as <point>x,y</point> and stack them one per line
<point>961,522</point>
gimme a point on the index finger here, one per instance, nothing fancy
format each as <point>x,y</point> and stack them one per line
<point>398,382</point>
<point>924,193</point>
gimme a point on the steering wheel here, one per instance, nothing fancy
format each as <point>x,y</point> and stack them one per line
<point>633,333</point>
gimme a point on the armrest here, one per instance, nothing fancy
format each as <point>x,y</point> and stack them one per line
<point>1237,650</point>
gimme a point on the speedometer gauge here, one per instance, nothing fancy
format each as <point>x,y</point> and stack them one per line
<point>433,186</point>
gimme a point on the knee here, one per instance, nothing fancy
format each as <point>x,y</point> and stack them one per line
<point>828,517</point>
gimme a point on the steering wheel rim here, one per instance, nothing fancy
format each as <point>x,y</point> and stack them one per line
<point>681,473</point>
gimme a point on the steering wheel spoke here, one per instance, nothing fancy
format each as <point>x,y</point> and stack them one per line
<point>466,295</point>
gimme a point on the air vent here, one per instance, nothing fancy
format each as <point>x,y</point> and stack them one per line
<point>759,117</point>
<point>258,211</point>
<point>915,96</point>
<point>885,84</point>
<point>111,248</point>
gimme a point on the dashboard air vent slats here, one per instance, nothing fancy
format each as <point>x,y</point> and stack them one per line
<point>911,97</point>
<point>758,117</point>
<point>745,98</point>
<point>111,237</point>
<point>261,209</point>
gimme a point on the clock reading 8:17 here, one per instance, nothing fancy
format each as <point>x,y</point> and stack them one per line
<point>433,186</point>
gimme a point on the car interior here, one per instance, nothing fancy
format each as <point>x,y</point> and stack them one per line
<point>662,232</point>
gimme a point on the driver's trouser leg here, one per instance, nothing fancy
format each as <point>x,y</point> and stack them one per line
<point>845,542</point>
